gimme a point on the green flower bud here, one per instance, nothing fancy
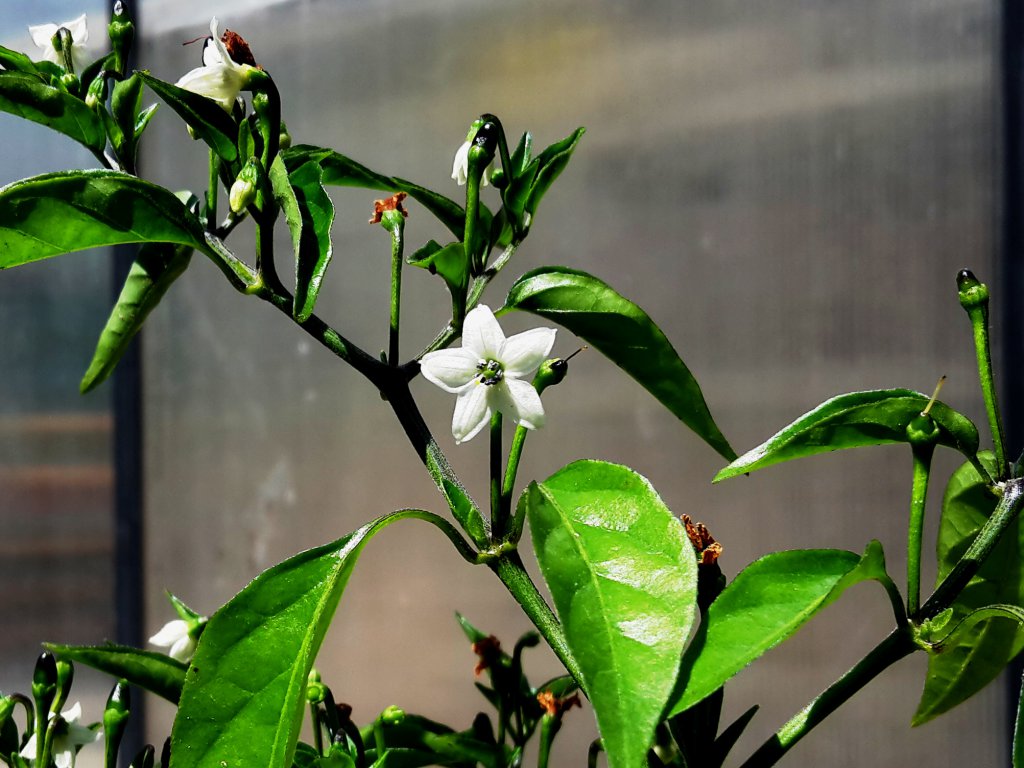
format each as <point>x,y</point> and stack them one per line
<point>972,292</point>
<point>316,692</point>
<point>922,431</point>
<point>392,716</point>
<point>44,682</point>
<point>550,373</point>
<point>243,191</point>
<point>70,83</point>
<point>285,139</point>
<point>65,676</point>
<point>115,721</point>
<point>97,95</point>
<point>121,31</point>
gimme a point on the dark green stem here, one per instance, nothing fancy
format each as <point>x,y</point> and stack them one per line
<point>509,568</point>
<point>897,645</point>
<point>515,455</point>
<point>318,735</point>
<point>499,521</point>
<point>918,497</point>
<point>1005,513</point>
<point>265,254</point>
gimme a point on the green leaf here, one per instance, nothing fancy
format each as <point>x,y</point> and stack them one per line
<point>155,268</point>
<point>310,213</point>
<point>343,171</point>
<point>448,261</point>
<point>465,512</point>
<point>876,417</point>
<point>625,334</point>
<point>765,604</point>
<point>550,163</point>
<point>245,691</point>
<point>624,580</point>
<point>155,672</point>
<point>25,95</point>
<point>970,661</point>
<point>17,61</point>
<point>69,211</point>
<point>204,116</point>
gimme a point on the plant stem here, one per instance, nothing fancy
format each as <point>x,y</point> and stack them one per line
<point>211,192</point>
<point>515,454</point>
<point>897,645</point>
<point>499,521</point>
<point>509,568</point>
<point>918,497</point>
<point>1005,513</point>
<point>397,244</point>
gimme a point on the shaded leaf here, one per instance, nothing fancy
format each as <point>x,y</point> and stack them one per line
<point>875,417</point>
<point>154,672</point>
<point>970,661</point>
<point>624,580</point>
<point>69,211</point>
<point>550,163</point>
<point>25,95</point>
<point>448,261</point>
<point>621,330</point>
<point>204,116</point>
<point>766,603</point>
<point>155,268</point>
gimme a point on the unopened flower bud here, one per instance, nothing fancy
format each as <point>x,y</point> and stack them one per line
<point>285,139</point>
<point>922,431</point>
<point>65,676</point>
<point>44,682</point>
<point>550,373</point>
<point>97,94</point>
<point>243,191</point>
<point>121,31</point>
<point>972,292</point>
<point>69,81</point>
<point>392,716</point>
<point>115,720</point>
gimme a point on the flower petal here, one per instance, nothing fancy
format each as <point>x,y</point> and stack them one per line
<point>524,352</point>
<point>481,334</point>
<point>29,750</point>
<point>460,166</point>
<point>74,714</point>
<point>169,634</point>
<point>218,49</point>
<point>63,754</point>
<point>450,369</point>
<point>218,82</point>
<point>520,401</point>
<point>472,412</point>
<point>183,649</point>
<point>79,30</point>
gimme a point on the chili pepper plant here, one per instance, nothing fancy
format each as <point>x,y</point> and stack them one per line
<point>633,604</point>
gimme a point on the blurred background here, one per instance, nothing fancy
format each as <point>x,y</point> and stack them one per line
<point>787,188</point>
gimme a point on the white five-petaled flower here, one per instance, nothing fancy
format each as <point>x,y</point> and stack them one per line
<point>490,373</point>
<point>177,636</point>
<point>221,78</point>
<point>68,737</point>
<point>42,36</point>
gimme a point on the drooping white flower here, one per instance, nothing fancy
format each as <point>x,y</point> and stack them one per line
<point>67,738</point>
<point>177,636</point>
<point>42,36</point>
<point>460,166</point>
<point>221,78</point>
<point>490,373</point>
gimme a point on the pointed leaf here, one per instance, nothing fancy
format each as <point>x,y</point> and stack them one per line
<point>852,420</point>
<point>970,661</point>
<point>59,213</point>
<point>245,691</point>
<point>550,163</point>
<point>621,330</point>
<point>155,672</point>
<point>16,61</point>
<point>343,171</point>
<point>155,268</point>
<point>624,580</point>
<point>204,116</point>
<point>448,261</point>
<point>25,95</point>
<point>765,604</point>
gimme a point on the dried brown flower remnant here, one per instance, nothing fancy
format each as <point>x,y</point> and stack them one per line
<point>488,650</point>
<point>556,707</point>
<point>703,542</point>
<point>393,203</point>
<point>238,49</point>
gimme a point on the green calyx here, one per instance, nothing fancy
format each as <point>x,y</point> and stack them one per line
<point>923,431</point>
<point>550,373</point>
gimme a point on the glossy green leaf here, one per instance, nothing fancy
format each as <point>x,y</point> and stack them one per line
<point>416,738</point>
<point>465,512</point>
<point>59,213</point>
<point>204,116</point>
<point>550,163</point>
<point>343,171</point>
<point>765,604</point>
<point>245,692</point>
<point>624,581</point>
<point>448,261</point>
<point>876,417</point>
<point>16,61</point>
<point>155,268</point>
<point>25,95</point>
<point>621,330</point>
<point>154,672</point>
<point>970,661</point>
<point>310,214</point>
